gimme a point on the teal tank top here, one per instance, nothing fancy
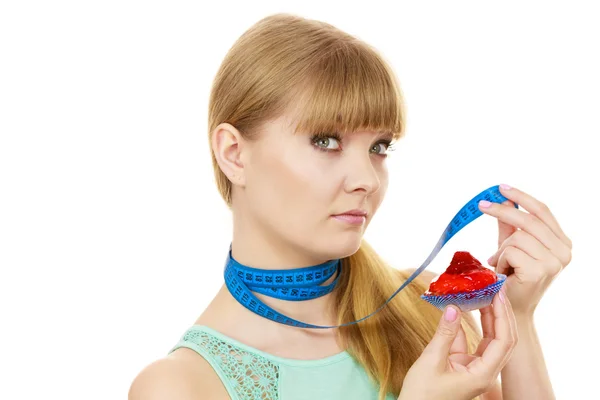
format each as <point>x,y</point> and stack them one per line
<point>251,374</point>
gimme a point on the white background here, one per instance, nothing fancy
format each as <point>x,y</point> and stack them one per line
<point>113,235</point>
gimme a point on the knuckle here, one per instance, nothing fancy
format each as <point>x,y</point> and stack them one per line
<point>446,331</point>
<point>556,268</point>
<point>512,342</point>
<point>530,218</point>
<point>567,258</point>
<point>520,235</point>
<point>509,251</point>
<point>508,344</point>
<point>515,339</point>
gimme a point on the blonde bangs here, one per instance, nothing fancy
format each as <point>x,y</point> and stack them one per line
<point>350,89</point>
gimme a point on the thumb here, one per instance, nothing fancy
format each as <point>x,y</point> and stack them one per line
<point>448,327</point>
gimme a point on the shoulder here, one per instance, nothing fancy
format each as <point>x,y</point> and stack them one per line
<point>182,375</point>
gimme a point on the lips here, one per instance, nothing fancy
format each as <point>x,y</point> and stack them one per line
<point>353,217</point>
<point>357,213</point>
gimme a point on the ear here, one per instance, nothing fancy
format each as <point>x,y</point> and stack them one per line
<point>227,145</point>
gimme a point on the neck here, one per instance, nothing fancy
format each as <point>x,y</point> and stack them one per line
<point>254,250</point>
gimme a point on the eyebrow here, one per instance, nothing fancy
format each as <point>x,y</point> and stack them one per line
<point>387,135</point>
<point>384,134</point>
<point>378,135</point>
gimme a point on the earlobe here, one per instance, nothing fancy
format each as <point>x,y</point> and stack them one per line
<point>227,144</point>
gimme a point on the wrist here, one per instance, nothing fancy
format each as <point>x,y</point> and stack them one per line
<point>524,319</point>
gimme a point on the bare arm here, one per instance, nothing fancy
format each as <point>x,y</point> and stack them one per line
<point>525,376</point>
<point>163,379</point>
<point>182,375</point>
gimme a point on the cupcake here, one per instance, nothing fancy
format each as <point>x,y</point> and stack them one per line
<point>466,284</point>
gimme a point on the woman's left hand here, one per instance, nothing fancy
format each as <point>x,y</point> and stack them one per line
<point>532,248</point>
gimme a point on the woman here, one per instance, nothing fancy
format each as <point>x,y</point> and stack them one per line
<point>301,117</point>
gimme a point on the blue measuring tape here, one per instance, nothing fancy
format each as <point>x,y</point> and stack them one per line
<point>305,283</point>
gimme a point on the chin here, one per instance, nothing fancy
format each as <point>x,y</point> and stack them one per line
<point>340,247</point>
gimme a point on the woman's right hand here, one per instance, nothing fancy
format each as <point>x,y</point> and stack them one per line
<point>445,370</point>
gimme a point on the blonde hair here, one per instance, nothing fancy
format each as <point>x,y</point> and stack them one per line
<point>337,84</point>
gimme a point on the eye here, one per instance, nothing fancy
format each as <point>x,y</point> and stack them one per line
<point>329,142</point>
<point>381,147</point>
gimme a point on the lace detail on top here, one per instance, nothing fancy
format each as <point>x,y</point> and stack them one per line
<point>250,375</point>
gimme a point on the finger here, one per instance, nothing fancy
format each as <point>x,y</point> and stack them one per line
<point>524,265</point>
<point>487,326</point>
<point>438,348</point>
<point>505,230</point>
<point>526,242</point>
<point>487,321</point>
<point>493,358</point>
<point>539,209</point>
<point>503,266</point>
<point>460,359</point>
<point>512,320</point>
<point>514,258</point>
<point>459,345</point>
<point>531,224</point>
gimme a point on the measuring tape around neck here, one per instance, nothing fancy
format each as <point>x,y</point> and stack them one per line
<point>305,283</point>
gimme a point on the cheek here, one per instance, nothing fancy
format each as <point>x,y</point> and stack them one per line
<point>384,177</point>
<point>316,182</point>
<point>292,181</point>
<point>377,197</point>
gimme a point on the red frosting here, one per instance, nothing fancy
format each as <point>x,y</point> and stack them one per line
<point>464,274</point>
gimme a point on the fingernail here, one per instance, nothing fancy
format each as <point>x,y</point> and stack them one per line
<point>485,203</point>
<point>505,186</point>
<point>501,294</point>
<point>450,314</point>
<point>490,259</point>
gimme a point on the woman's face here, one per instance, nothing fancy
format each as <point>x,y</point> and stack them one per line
<point>298,187</point>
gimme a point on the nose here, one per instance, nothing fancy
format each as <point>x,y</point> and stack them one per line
<point>362,175</point>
